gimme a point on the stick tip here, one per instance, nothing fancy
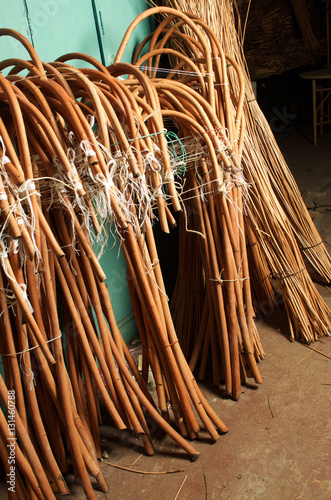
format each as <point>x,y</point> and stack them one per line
<point>195,456</point>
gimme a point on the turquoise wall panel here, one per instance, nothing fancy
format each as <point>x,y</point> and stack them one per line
<point>114,265</point>
<point>62,26</point>
<point>113,19</point>
<point>14,16</point>
<point>55,27</point>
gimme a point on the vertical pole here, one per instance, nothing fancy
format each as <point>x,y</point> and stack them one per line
<point>314,112</point>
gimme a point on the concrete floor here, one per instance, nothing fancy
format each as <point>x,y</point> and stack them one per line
<point>278,444</point>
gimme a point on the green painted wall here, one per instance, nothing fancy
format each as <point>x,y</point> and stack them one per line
<point>55,27</point>
<point>94,27</point>
<point>114,18</point>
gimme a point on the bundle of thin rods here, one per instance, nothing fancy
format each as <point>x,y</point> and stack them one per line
<point>197,97</point>
<point>79,148</point>
<point>268,158</point>
<point>285,248</point>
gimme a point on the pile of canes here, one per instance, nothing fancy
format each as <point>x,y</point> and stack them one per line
<point>82,150</point>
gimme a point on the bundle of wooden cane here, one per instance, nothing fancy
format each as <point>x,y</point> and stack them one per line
<point>284,243</point>
<point>199,103</point>
<point>80,147</point>
<point>268,157</point>
<point>76,151</point>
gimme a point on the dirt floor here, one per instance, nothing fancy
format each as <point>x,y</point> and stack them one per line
<point>277,447</point>
<point>279,442</point>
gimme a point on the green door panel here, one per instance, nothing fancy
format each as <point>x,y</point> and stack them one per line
<point>113,19</point>
<point>62,26</point>
<point>114,266</point>
<point>13,15</point>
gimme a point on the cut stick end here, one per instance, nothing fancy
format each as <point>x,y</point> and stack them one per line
<point>102,277</point>
<point>166,229</point>
<point>194,457</point>
<point>103,486</point>
<point>193,435</point>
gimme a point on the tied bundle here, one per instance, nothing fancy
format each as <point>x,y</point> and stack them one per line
<point>78,152</point>
<point>285,250</point>
<point>197,101</point>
